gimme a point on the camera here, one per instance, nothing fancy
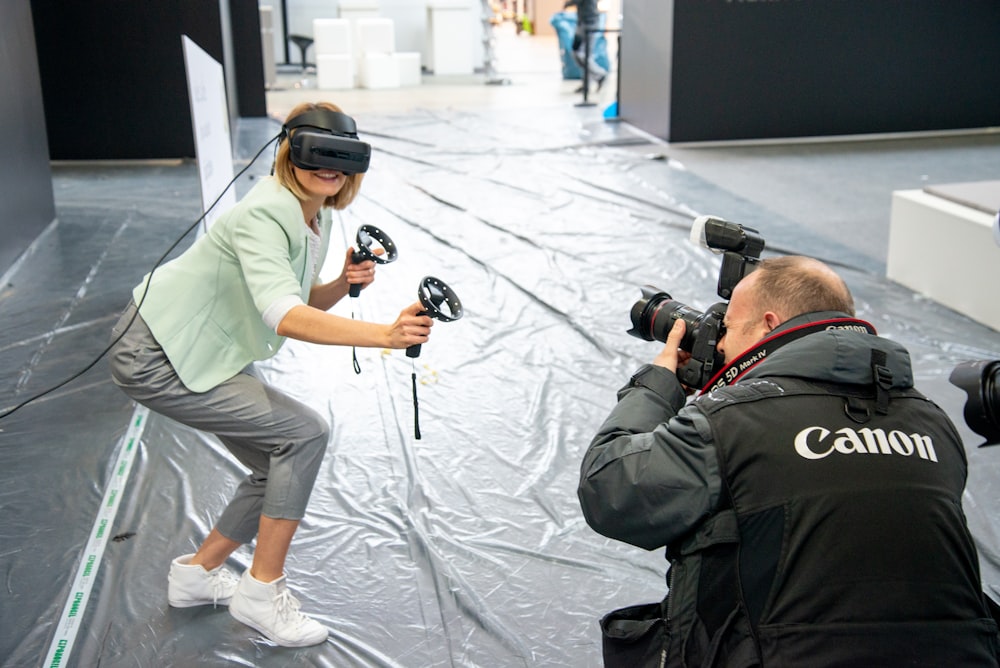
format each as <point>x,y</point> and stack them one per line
<point>980,380</point>
<point>654,314</point>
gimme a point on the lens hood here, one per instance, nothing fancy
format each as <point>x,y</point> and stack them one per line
<point>980,380</point>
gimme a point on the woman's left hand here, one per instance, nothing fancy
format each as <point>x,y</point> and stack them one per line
<point>361,273</point>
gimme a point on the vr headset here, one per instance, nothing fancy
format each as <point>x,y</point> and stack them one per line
<point>325,139</point>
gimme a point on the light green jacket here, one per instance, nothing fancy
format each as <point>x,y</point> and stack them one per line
<point>205,306</point>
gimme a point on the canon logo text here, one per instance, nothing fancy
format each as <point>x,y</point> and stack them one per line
<point>818,442</point>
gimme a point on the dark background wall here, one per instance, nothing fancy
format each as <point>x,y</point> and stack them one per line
<point>731,69</point>
<point>113,78</point>
<point>26,201</point>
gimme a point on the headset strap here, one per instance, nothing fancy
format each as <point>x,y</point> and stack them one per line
<point>335,122</point>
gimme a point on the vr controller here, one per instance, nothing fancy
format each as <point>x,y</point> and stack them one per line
<point>367,237</point>
<point>326,139</point>
<point>439,301</point>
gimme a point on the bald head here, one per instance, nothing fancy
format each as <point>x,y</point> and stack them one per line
<point>793,285</point>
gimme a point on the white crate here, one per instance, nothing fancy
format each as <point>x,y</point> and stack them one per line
<point>945,251</point>
<point>375,35</point>
<point>378,70</point>
<point>408,66</point>
<point>334,71</point>
<point>332,36</point>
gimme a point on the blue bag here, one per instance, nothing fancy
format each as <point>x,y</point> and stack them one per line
<point>565,27</point>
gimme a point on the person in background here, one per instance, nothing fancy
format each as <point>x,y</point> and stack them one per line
<point>233,298</point>
<point>810,503</point>
<point>588,18</point>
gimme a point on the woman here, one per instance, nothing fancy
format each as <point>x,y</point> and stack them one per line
<point>231,299</point>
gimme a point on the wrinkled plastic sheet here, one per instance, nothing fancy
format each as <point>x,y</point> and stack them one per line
<point>463,548</point>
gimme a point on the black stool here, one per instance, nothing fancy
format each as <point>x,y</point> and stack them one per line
<point>303,42</point>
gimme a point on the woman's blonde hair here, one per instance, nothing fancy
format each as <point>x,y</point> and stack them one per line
<point>286,175</point>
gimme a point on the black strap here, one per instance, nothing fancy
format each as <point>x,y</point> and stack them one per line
<point>354,351</point>
<point>882,377</point>
<point>732,372</point>
<point>856,409</point>
<point>416,407</point>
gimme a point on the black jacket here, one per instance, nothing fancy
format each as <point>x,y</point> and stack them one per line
<point>804,526</point>
<point>586,11</point>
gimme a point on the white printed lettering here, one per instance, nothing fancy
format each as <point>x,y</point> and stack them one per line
<point>811,443</point>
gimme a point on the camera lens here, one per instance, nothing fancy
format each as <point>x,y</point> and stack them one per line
<point>981,382</point>
<point>654,315</point>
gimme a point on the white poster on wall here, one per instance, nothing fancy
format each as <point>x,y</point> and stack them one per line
<point>210,122</point>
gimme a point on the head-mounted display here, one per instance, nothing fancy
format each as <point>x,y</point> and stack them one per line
<point>326,139</point>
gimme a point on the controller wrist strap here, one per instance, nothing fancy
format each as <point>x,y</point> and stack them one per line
<point>416,404</point>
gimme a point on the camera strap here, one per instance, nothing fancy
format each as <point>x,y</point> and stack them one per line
<point>733,371</point>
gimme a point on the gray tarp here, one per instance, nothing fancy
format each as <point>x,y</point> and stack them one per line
<point>463,548</point>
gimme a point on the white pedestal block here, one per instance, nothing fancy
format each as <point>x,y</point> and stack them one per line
<point>332,36</point>
<point>375,35</point>
<point>945,251</point>
<point>334,71</point>
<point>450,31</point>
<point>357,9</point>
<point>408,66</point>
<point>353,10</point>
<point>379,70</point>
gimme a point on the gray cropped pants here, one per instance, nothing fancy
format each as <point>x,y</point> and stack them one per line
<point>281,440</point>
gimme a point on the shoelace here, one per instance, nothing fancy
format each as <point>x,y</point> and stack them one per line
<point>287,607</point>
<point>222,580</point>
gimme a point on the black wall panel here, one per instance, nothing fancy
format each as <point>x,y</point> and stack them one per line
<point>249,57</point>
<point>113,76</point>
<point>26,200</point>
<point>735,69</point>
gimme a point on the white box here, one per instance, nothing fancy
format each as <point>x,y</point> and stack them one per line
<point>375,35</point>
<point>331,36</point>
<point>408,66</point>
<point>334,71</point>
<point>945,251</point>
<point>450,28</point>
<point>378,70</point>
<point>357,9</point>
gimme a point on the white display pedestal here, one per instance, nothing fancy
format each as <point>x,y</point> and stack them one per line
<point>334,71</point>
<point>352,10</point>
<point>335,62</point>
<point>408,68</point>
<point>358,9</point>
<point>379,70</point>
<point>945,250</point>
<point>332,36</point>
<point>450,32</point>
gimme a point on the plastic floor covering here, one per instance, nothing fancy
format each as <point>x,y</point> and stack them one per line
<point>463,548</point>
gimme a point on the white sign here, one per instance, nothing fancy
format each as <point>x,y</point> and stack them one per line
<point>210,122</point>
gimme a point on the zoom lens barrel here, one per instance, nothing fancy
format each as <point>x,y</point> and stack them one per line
<point>653,317</point>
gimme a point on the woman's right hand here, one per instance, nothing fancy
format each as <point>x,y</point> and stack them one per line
<point>412,327</point>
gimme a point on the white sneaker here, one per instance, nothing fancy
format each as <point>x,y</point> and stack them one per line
<point>271,609</point>
<point>190,584</point>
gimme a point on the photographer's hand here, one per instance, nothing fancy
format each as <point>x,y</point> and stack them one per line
<point>672,356</point>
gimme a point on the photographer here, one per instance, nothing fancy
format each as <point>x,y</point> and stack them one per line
<point>809,502</point>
